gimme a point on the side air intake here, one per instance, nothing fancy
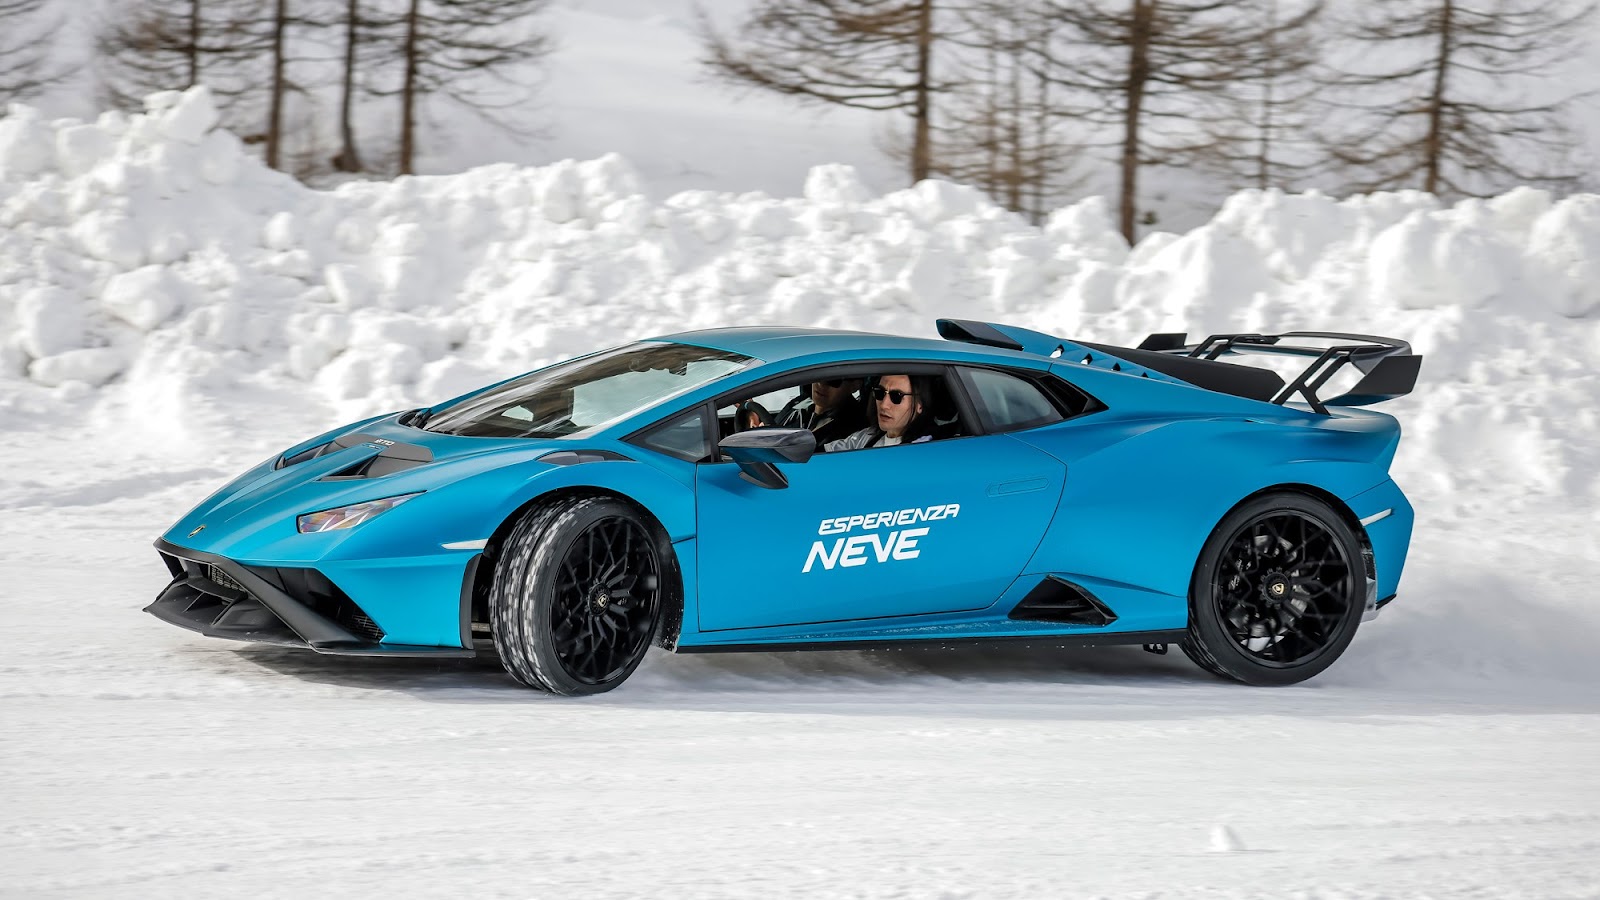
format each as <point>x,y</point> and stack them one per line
<point>1058,600</point>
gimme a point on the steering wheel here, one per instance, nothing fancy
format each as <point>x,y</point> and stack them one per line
<point>748,408</point>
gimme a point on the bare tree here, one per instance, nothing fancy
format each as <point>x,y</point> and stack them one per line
<point>1158,75</point>
<point>1468,107</point>
<point>277,30</point>
<point>865,54</point>
<point>163,45</point>
<point>237,48</point>
<point>475,53</point>
<point>1270,141</point>
<point>27,35</point>
<point>349,158</point>
<point>997,127</point>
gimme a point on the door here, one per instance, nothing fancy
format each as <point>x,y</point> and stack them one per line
<point>933,527</point>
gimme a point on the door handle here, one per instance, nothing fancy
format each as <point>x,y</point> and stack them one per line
<point>1020,486</point>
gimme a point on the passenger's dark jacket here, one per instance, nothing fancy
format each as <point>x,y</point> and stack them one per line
<point>842,420</point>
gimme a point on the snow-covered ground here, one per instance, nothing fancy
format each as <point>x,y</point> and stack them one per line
<point>171,312</point>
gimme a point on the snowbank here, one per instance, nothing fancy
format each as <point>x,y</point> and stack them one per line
<point>153,272</point>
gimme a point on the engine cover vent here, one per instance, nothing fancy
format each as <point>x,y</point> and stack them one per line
<point>1058,600</point>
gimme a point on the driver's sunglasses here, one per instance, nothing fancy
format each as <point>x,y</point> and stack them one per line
<point>895,397</point>
<point>833,382</point>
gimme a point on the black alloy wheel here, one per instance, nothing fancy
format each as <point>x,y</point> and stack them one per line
<point>1278,592</point>
<point>577,595</point>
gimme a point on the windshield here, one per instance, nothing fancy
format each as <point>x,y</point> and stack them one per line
<point>586,392</point>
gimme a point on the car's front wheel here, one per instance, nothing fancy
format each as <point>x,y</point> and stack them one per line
<point>1278,591</point>
<point>577,595</point>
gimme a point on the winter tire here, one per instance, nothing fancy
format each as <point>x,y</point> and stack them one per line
<point>1278,591</point>
<point>577,595</point>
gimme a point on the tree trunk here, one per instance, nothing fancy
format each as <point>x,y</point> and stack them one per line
<point>1434,144</point>
<point>1138,74</point>
<point>280,24</point>
<point>1264,162</point>
<point>348,159</point>
<point>193,50</point>
<point>991,119</point>
<point>408,90</point>
<point>1020,170</point>
<point>1045,159</point>
<point>921,149</point>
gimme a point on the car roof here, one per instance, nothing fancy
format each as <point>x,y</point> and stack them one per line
<point>779,344</point>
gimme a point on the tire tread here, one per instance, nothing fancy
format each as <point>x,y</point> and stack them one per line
<point>517,601</point>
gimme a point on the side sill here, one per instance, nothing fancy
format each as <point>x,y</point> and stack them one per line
<point>1040,640</point>
<point>411,650</point>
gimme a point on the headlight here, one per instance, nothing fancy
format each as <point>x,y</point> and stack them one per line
<point>348,516</point>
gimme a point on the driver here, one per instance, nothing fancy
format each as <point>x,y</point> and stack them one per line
<point>831,411</point>
<point>898,419</point>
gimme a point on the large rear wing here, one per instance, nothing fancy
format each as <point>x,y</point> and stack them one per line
<point>1388,367</point>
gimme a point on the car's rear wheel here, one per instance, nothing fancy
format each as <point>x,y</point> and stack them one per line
<point>577,595</point>
<point>1278,592</point>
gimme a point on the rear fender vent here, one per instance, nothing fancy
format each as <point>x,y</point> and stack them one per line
<point>1058,600</point>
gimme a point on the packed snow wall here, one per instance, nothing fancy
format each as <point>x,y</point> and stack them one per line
<point>159,282</point>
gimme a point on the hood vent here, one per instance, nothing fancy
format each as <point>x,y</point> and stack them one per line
<point>373,467</point>
<point>392,457</point>
<point>304,455</point>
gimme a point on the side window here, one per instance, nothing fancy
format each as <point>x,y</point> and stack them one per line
<point>1009,403</point>
<point>831,408</point>
<point>682,436</point>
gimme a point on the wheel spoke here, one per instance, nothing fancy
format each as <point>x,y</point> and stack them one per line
<point>595,638</point>
<point>1275,549</point>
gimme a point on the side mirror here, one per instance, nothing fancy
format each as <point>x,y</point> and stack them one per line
<point>758,451</point>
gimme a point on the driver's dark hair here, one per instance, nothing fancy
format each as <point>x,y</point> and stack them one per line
<point>921,424</point>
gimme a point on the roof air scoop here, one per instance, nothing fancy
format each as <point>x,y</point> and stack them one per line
<point>969,332</point>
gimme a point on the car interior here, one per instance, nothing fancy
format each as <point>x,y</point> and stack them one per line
<point>772,408</point>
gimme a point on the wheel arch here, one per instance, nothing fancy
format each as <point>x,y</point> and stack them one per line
<point>1340,508</point>
<point>1202,644</point>
<point>483,575</point>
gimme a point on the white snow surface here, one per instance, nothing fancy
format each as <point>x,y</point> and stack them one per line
<point>171,311</point>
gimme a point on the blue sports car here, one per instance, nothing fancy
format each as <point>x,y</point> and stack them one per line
<point>788,489</point>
